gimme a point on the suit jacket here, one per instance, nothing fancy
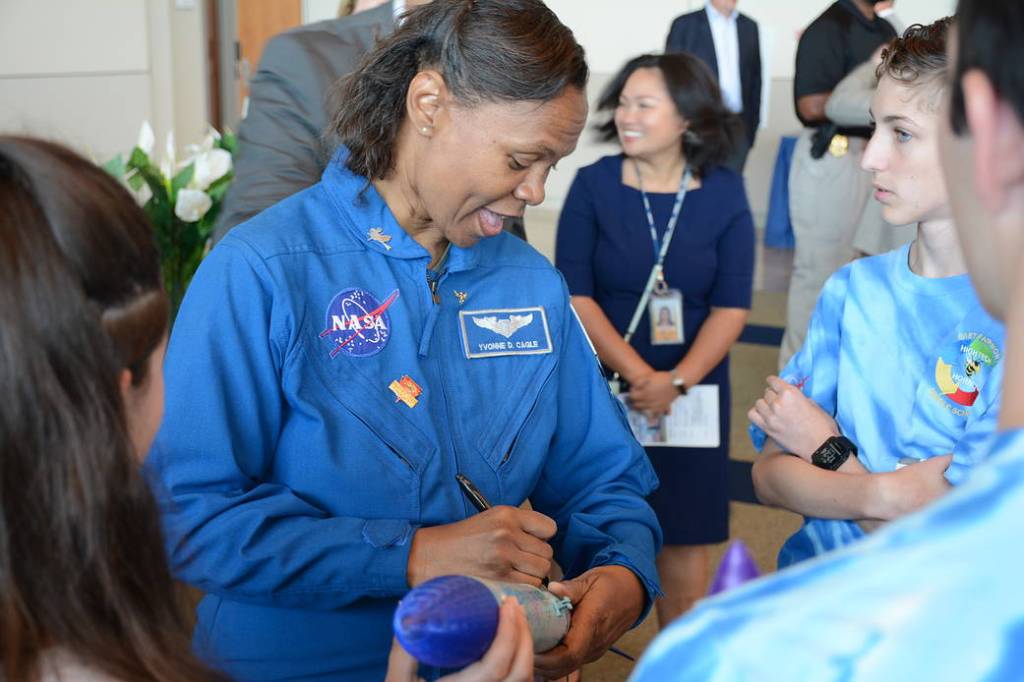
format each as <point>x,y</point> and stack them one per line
<point>692,33</point>
<point>280,145</point>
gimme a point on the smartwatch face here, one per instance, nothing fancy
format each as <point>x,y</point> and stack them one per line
<point>828,455</point>
<point>832,454</point>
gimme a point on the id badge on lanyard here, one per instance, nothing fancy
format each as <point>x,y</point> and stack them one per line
<point>665,311</point>
<point>665,306</point>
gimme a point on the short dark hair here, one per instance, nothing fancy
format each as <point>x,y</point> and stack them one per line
<point>918,57</point>
<point>713,131</point>
<point>989,39</point>
<point>486,50</point>
<point>82,562</point>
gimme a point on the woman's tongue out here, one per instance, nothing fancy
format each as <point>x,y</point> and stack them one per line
<point>490,222</point>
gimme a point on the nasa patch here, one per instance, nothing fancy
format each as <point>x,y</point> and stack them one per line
<point>357,323</point>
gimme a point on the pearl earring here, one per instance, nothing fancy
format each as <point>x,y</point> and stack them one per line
<point>425,130</point>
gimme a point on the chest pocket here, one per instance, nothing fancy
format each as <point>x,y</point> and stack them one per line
<point>501,397</point>
<point>371,429</point>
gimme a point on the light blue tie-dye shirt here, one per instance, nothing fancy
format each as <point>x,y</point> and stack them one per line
<point>932,596</point>
<point>909,366</point>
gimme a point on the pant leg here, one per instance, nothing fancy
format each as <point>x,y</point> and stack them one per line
<point>826,201</point>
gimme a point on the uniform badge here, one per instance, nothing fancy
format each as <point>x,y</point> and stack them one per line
<point>509,331</point>
<point>406,390</point>
<point>461,295</point>
<point>376,234</point>
<point>357,323</point>
<point>839,145</point>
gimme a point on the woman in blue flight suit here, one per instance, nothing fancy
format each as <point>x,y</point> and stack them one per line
<point>343,355</point>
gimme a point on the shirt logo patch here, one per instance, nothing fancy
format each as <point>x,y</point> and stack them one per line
<point>961,370</point>
<point>357,323</point>
<point>510,331</point>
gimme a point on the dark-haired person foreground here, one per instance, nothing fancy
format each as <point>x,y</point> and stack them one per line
<point>327,382</point>
<point>933,596</point>
<point>85,591</point>
<point>668,117</point>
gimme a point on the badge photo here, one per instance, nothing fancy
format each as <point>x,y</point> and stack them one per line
<point>665,311</point>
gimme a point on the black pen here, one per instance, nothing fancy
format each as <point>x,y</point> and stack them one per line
<point>473,493</point>
<point>481,503</point>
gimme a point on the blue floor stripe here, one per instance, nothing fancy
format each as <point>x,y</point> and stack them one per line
<point>762,334</point>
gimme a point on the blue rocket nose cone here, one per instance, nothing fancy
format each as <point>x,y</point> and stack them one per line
<point>447,622</point>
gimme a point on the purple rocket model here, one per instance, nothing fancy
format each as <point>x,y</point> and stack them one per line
<point>737,567</point>
<point>450,621</point>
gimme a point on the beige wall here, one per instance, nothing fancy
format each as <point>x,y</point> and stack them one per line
<point>89,73</point>
<point>612,32</point>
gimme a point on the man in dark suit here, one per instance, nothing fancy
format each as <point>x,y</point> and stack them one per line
<point>281,144</point>
<point>728,42</point>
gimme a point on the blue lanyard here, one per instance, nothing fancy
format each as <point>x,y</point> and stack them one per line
<point>660,249</point>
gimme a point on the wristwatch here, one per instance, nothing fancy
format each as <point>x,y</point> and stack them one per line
<point>678,382</point>
<point>833,453</point>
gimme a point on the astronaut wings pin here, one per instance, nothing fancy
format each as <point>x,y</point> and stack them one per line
<point>505,327</point>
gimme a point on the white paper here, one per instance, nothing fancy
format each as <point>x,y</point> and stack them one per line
<point>691,423</point>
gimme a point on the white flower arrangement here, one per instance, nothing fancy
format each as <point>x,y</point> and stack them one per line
<point>182,199</point>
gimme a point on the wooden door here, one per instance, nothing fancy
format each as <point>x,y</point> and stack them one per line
<point>258,21</point>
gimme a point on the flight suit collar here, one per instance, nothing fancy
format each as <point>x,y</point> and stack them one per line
<point>372,223</point>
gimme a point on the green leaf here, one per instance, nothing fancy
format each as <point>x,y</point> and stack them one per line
<point>220,187</point>
<point>139,158</point>
<point>229,141</point>
<point>136,181</point>
<point>182,179</point>
<point>155,180</point>
<point>116,166</point>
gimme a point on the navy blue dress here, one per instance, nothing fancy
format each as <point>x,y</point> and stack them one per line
<point>604,250</point>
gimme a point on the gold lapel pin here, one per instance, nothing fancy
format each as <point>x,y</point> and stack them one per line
<point>461,295</point>
<point>376,234</point>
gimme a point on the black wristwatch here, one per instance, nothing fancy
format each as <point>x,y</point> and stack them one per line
<point>833,453</point>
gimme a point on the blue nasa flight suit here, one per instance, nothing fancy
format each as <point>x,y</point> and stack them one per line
<point>320,404</point>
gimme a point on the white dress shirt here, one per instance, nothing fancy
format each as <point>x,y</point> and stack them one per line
<point>727,52</point>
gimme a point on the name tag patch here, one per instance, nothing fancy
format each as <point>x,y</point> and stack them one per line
<point>507,331</point>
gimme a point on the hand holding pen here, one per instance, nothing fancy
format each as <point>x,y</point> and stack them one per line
<point>502,543</point>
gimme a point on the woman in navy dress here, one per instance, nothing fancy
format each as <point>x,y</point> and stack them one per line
<point>668,116</point>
